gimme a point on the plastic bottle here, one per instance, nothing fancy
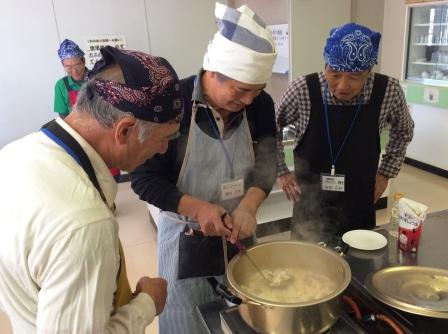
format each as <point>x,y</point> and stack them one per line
<point>394,214</point>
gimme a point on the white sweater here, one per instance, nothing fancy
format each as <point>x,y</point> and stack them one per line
<point>59,243</point>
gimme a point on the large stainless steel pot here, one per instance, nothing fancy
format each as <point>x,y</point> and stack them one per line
<point>264,316</point>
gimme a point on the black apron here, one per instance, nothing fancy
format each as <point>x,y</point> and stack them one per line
<point>320,214</point>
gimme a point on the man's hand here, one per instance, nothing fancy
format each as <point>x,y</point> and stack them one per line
<point>155,288</point>
<point>290,187</point>
<point>211,217</point>
<point>244,223</point>
<point>214,220</point>
<point>381,182</point>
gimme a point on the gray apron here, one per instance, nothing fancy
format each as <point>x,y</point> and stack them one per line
<point>203,170</point>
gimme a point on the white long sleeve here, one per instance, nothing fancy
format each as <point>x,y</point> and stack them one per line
<point>59,253</point>
<point>77,286</point>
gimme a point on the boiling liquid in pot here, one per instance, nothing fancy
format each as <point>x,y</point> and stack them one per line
<point>301,285</point>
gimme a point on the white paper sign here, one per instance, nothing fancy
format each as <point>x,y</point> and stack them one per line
<point>280,34</point>
<point>95,43</point>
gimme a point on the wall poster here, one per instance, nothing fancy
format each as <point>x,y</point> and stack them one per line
<point>95,43</point>
<point>280,34</point>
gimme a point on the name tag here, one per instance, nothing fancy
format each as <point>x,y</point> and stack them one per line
<point>232,189</point>
<point>332,182</point>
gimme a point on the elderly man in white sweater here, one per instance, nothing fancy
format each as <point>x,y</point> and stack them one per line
<point>61,262</point>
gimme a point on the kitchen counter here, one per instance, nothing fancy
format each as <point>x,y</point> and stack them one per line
<point>432,252</point>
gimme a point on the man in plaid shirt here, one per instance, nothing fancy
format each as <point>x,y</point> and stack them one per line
<point>338,115</point>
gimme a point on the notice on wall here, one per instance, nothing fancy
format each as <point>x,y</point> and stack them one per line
<point>280,34</point>
<point>94,44</point>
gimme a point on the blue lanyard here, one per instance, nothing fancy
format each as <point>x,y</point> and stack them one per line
<point>61,137</point>
<point>226,153</point>
<point>58,141</point>
<point>327,123</point>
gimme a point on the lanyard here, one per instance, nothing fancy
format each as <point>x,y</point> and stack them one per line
<point>61,137</point>
<point>327,123</point>
<point>226,153</point>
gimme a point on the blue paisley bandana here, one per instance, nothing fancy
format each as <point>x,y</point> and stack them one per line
<point>69,49</point>
<point>352,48</point>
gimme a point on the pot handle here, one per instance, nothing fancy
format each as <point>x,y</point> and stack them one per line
<point>222,291</point>
<point>341,247</point>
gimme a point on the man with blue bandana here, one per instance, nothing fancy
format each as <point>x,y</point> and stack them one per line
<point>339,115</point>
<point>67,88</point>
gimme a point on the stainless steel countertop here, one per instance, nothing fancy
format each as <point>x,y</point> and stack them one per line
<point>432,250</point>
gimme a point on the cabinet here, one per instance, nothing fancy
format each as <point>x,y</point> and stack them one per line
<point>427,52</point>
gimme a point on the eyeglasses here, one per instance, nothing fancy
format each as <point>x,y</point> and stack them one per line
<point>77,67</point>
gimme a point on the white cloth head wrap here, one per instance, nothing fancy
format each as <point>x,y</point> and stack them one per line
<point>242,49</point>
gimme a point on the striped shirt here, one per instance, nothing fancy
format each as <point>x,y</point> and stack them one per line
<point>295,106</point>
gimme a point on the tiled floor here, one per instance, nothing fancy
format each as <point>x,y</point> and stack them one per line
<point>139,237</point>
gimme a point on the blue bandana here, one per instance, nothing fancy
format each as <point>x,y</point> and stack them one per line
<point>69,49</point>
<point>352,48</point>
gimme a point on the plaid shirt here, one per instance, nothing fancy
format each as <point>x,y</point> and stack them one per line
<point>295,106</point>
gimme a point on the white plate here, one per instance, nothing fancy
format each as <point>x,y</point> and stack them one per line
<point>364,239</point>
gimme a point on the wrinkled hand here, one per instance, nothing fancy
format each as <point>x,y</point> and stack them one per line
<point>244,223</point>
<point>290,187</point>
<point>156,288</point>
<point>381,182</point>
<point>214,220</point>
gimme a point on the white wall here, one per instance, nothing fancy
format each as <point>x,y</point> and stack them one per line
<point>430,141</point>
<point>103,17</point>
<point>310,23</point>
<point>29,66</point>
<point>394,32</point>
<point>31,31</point>
<point>180,30</point>
<point>370,14</point>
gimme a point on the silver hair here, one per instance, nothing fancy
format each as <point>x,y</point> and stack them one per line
<point>106,114</point>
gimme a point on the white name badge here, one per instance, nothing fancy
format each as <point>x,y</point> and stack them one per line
<point>232,189</point>
<point>332,182</point>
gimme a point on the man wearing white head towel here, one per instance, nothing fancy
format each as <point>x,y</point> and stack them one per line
<point>212,179</point>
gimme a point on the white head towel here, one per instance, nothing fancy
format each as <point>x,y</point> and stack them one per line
<point>242,49</point>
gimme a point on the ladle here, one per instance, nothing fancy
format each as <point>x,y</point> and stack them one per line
<point>274,281</point>
<point>243,250</point>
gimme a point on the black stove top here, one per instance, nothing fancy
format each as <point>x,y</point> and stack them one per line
<point>232,323</point>
<point>219,318</point>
